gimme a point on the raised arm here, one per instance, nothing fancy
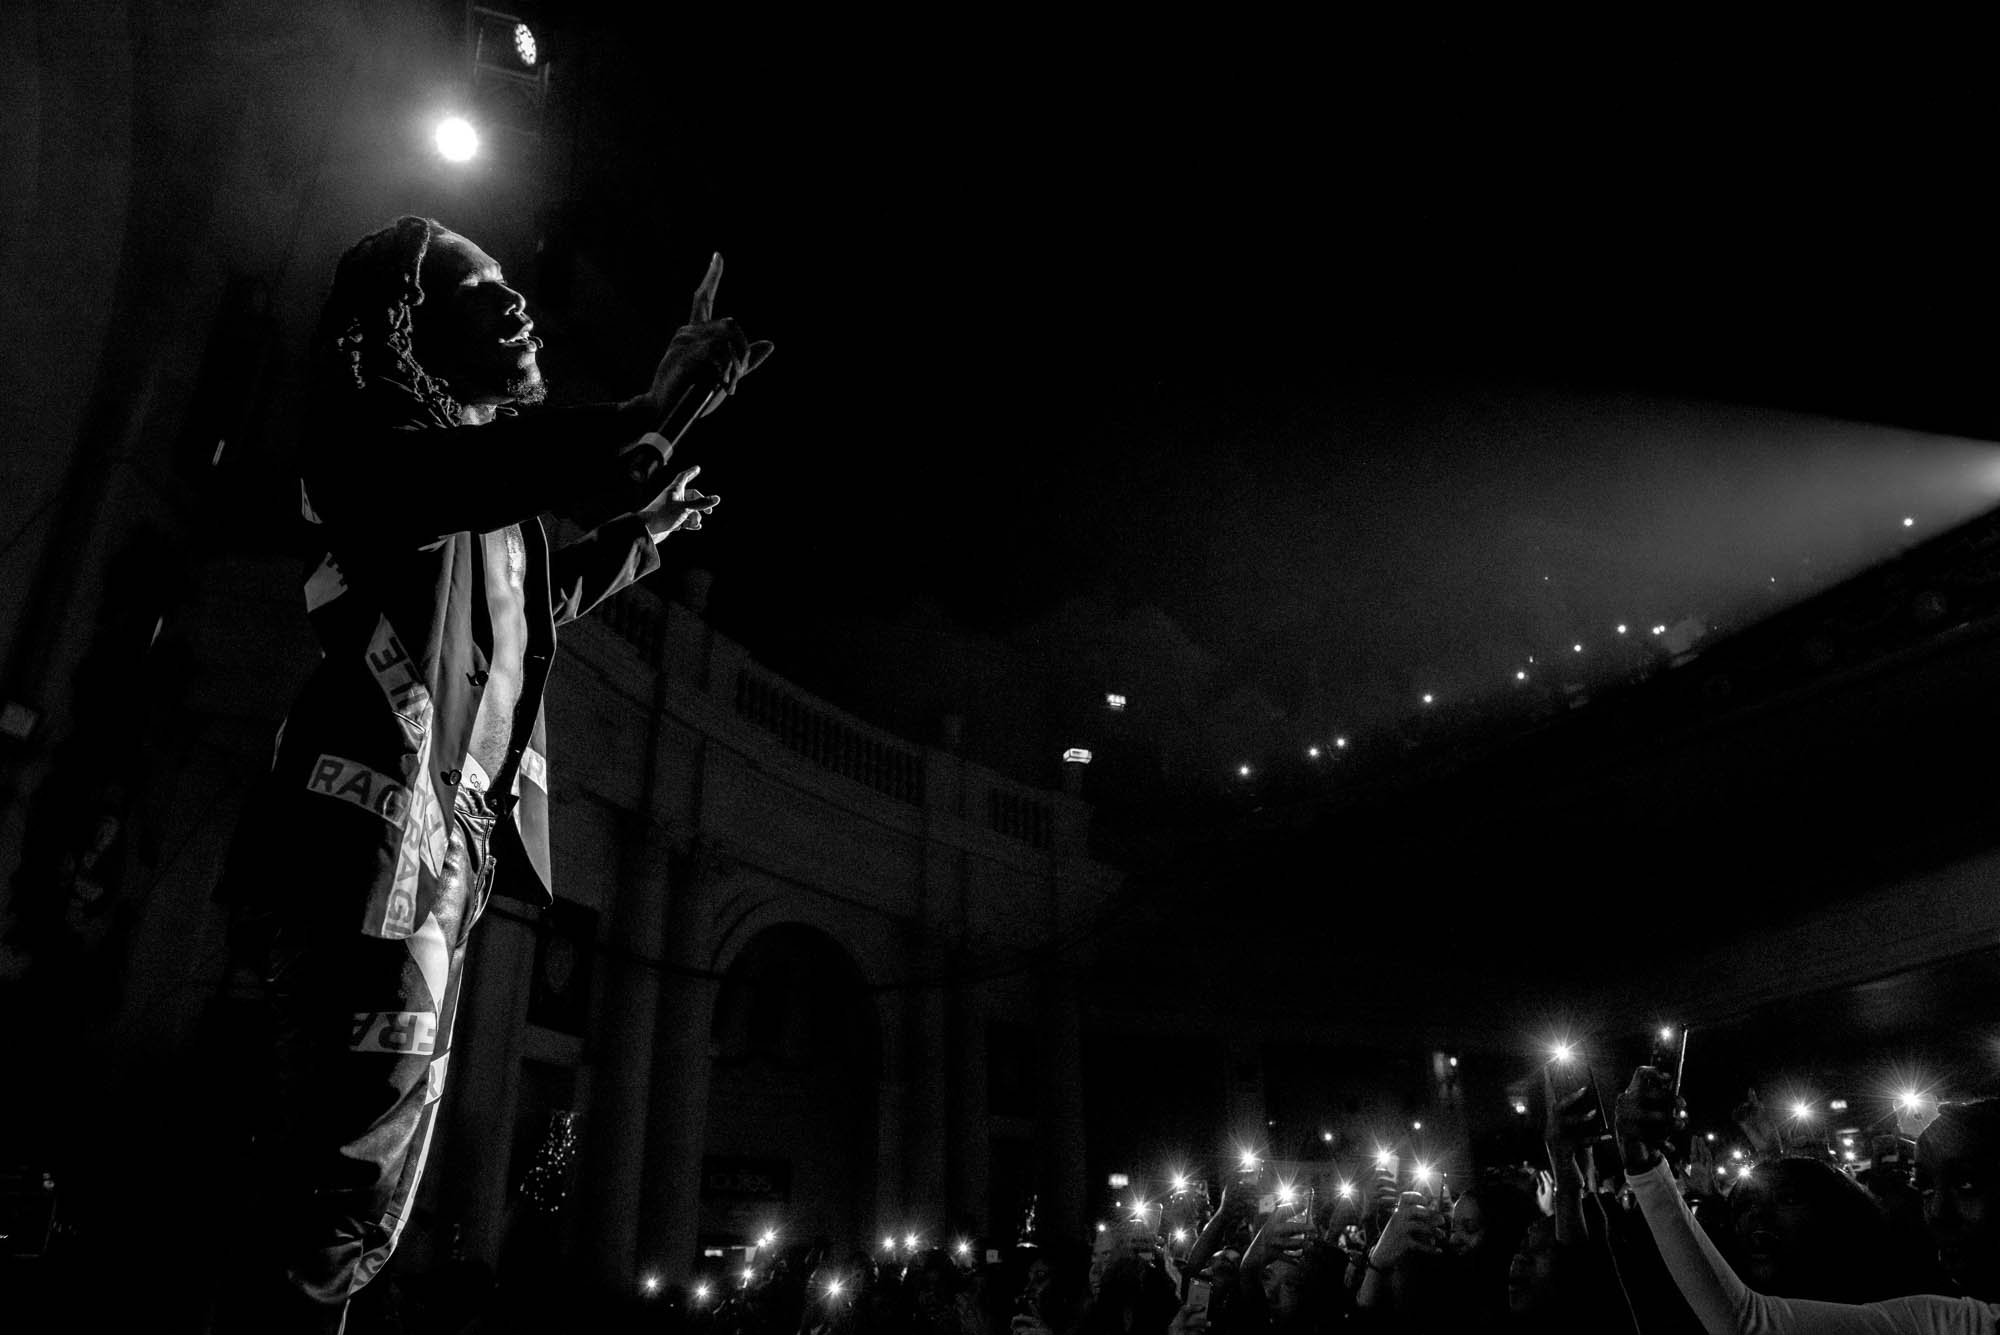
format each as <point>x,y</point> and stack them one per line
<point>1723,1303</point>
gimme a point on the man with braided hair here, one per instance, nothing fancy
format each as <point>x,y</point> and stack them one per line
<point>412,767</point>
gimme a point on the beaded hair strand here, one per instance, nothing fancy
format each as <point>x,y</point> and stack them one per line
<point>363,342</point>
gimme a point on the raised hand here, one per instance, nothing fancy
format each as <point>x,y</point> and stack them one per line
<point>705,352</point>
<point>1413,1228</point>
<point>1647,1118</point>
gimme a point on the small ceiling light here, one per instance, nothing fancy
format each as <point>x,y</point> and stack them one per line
<point>1416,1126</point>
<point>1577,647</point>
<point>1243,771</point>
<point>651,1283</point>
<point>1909,521</point>
<point>1113,700</point>
<point>1312,752</point>
<point>1340,743</point>
<point>1520,676</point>
<point>1621,628</point>
<point>1429,698</point>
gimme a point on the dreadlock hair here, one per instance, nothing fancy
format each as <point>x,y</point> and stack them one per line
<point>362,345</point>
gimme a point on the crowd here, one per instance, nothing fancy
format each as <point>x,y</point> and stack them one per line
<point>1627,1224</point>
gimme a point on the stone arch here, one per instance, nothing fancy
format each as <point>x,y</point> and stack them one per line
<point>793,1115</point>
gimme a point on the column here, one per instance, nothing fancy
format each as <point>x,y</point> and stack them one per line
<point>969,1152</point>
<point>676,1131</point>
<point>925,1121</point>
<point>1059,1107</point>
<point>614,1131</point>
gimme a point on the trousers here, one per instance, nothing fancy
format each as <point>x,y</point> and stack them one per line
<point>359,1038</point>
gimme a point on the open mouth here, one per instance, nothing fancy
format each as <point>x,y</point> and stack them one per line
<point>524,339</point>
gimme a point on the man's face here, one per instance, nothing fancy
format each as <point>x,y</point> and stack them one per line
<point>1962,1206</point>
<point>472,329</point>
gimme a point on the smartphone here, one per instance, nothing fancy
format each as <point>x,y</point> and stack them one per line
<point>1197,1296</point>
<point>1669,1053</point>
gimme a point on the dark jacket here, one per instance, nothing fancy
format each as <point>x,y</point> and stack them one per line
<point>349,828</point>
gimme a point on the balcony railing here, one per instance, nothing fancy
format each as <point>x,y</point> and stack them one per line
<point>832,743</point>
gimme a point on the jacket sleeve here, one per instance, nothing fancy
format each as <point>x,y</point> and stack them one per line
<point>584,573</point>
<point>418,482</point>
<point>1728,1306</point>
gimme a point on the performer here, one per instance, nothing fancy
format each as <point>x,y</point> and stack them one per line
<point>413,765</point>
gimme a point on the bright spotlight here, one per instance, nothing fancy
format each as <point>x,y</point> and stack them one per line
<point>651,1283</point>
<point>1313,751</point>
<point>1180,1235</point>
<point>1416,1126</point>
<point>1577,648</point>
<point>1802,1110</point>
<point>1666,1034</point>
<point>1243,771</point>
<point>1563,1052</point>
<point>1326,1136</point>
<point>701,1293</point>
<point>1621,628</point>
<point>963,1247</point>
<point>1429,699</point>
<point>1383,1159</point>
<point>1345,1190</point>
<point>833,1288</point>
<point>1249,1161</point>
<point>1423,1174</point>
<point>1909,521</point>
<point>1736,1154</point>
<point>1340,743</point>
<point>1520,676</point>
<point>888,1244</point>
<point>1180,1182</point>
<point>456,140</point>
<point>1743,1170</point>
<point>524,43</point>
<point>910,1242</point>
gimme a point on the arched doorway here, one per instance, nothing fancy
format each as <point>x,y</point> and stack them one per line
<point>792,1118</point>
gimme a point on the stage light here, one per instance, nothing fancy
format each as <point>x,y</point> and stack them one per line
<point>1563,1052</point>
<point>1802,1110</point>
<point>1243,771</point>
<point>524,43</point>
<point>1520,676</point>
<point>1711,1137</point>
<point>1520,1107</point>
<point>1180,1182</point>
<point>1100,1228</point>
<point>1423,1173</point>
<point>1249,1161</point>
<point>1077,755</point>
<point>1345,1191</point>
<point>1326,1136</point>
<point>1180,1235</point>
<point>911,1242</point>
<point>963,1247</point>
<point>651,1283</point>
<point>1743,1170</point>
<point>1313,752</point>
<point>1416,1126</point>
<point>456,140</point>
<point>1909,521</point>
<point>1666,1034</point>
<point>1736,1154</point>
<point>1847,1142</point>
<point>833,1288</point>
<point>1113,700</point>
<point>1429,699</point>
<point>1659,630</point>
<point>1907,1099</point>
<point>1838,1105</point>
<point>701,1293</point>
<point>1119,1181</point>
<point>1287,1193</point>
<point>1621,628</point>
<point>888,1244</point>
<point>1340,743</point>
<point>748,1274</point>
<point>770,1236</point>
<point>1383,1160</point>
<point>1577,647</point>
<point>1848,1155</point>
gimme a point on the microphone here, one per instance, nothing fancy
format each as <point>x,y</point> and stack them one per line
<point>694,400</point>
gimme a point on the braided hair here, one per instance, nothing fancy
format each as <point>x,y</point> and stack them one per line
<point>362,346</point>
